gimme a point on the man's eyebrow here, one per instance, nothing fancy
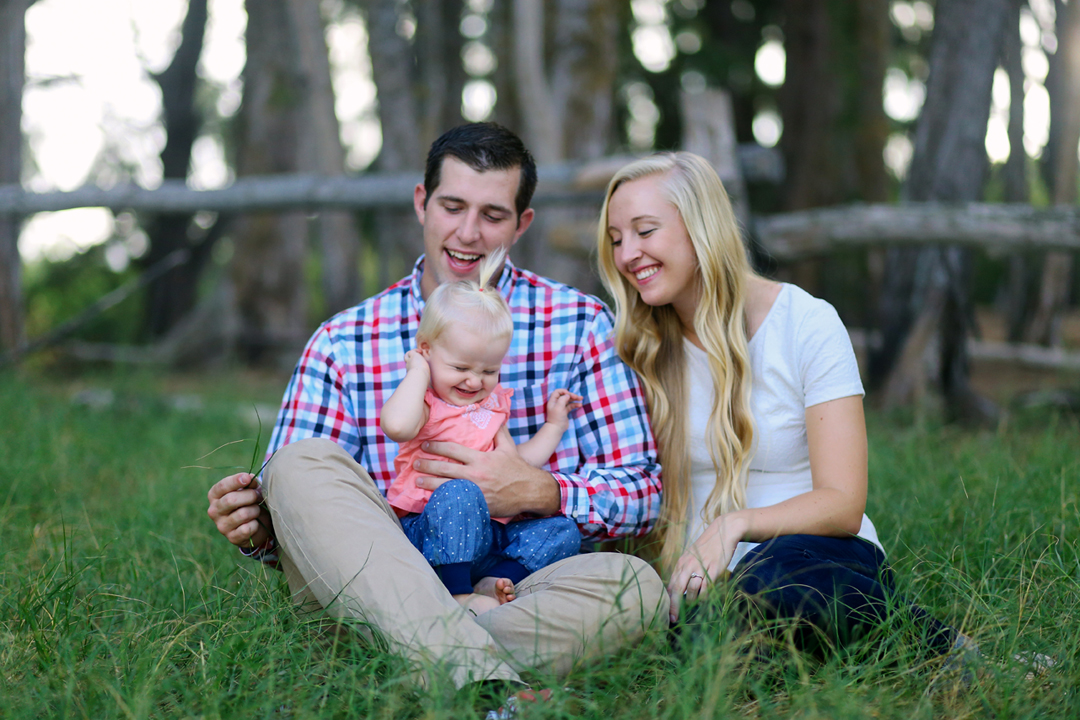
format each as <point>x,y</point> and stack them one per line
<point>490,207</point>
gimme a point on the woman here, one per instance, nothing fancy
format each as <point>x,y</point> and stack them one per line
<point>756,404</point>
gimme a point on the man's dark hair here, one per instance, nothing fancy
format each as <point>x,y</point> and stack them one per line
<point>483,147</point>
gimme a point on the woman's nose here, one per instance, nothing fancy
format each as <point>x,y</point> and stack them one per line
<point>629,249</point>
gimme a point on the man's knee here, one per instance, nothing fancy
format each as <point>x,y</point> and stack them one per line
<point>305,451</point>
<point>311,475</point>
<point>634,584</point>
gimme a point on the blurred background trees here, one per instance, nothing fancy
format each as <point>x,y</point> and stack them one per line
<point>865,101</point>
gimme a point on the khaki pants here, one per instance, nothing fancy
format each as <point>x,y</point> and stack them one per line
<point>343,550</point>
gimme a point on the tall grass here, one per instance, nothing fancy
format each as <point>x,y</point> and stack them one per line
<point>119,599</point>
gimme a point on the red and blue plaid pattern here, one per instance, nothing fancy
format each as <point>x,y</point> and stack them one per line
<point>606,464</point>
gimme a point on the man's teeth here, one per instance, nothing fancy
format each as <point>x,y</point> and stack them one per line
<point>465,257</point>
<point>647,272</point>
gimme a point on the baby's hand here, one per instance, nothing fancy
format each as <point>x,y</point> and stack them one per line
<point>415,361</point>
<point>559,406</point>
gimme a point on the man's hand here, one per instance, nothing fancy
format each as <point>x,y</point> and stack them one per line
<point>236,511</point>
<point>510,485</point>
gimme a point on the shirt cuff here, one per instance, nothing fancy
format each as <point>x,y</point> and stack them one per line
<point>574,498</point>
<point>267,552</point>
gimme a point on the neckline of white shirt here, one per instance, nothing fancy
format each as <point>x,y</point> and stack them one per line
<point>768,318</point>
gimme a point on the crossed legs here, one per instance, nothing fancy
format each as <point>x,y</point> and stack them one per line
<point>344,549</point>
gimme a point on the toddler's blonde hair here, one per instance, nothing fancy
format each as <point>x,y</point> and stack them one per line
<point>476,304</point>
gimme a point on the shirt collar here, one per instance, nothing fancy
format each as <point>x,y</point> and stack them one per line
<point>505,284</point>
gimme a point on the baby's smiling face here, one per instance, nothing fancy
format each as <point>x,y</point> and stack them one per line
<point>465,363</point>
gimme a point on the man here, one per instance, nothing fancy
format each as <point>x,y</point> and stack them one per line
<point>339,542</point>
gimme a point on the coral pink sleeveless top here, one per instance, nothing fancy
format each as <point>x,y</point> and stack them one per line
<point>473,426</point>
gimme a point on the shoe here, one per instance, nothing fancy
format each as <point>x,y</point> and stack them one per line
<point>515,702</point>
<point>1036,664</point>
<point>961,665</point>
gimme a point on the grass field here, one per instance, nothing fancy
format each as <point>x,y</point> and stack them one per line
<point>118,599</point>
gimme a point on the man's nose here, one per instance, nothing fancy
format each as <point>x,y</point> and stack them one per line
<point>469,228</point>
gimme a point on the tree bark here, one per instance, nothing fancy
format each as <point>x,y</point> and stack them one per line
<point>12,79</point>
<point>1018,295</point>
<point>440,71</point>
<point>949,164</point>
<point>541,124</point>
<point>1045,327</point>
<point>173,295</point>
<point>267,267</point>
<point>393,69</point>
<point>321,152</point>
<point>809,106</point>
<point>565,65</point>
<point>872,126</point>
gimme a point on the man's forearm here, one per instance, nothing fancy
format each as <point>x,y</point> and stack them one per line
<point>548,497</point>
<point>535,491</point>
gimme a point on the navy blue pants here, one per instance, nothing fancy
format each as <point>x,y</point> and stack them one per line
<point>841,587</point>
<point>457,536</point>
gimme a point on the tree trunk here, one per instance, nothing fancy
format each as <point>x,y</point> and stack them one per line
<point>1045,327</point>
<point>1018,295</point>
<point>441,72</point>
<point>321,152</point>
<point>872,127</point>
<point>173,295</point>
<point>541,124</point>
<point>393,68</point>
<point>565,65</point>
<point>809,106</point>
<point>584,64</point>
<point>12,78</point>
<point>501,40</point>
<point>267,267</point>
<point>949,164</point>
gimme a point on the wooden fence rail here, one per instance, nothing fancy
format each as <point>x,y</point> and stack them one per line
<point>786,236</point>
<point>992,226</point>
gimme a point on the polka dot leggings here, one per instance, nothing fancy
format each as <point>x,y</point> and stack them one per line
<point>456,534</point>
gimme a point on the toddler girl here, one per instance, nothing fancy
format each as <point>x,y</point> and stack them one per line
<point>451,392</point>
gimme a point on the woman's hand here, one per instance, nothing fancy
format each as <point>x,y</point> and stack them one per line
<point>705,561</point>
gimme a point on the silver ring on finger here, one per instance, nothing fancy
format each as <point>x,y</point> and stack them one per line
<point>695,575</point>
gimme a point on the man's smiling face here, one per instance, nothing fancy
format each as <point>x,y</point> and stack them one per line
<point>469,215</point>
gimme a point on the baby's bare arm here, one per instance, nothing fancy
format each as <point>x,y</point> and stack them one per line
<point>406,412</point>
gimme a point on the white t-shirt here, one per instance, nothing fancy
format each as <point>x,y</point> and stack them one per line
<point>799,357</point>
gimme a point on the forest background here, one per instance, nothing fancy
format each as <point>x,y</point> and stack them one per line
<point>137,337</point>
<point>824,103</point>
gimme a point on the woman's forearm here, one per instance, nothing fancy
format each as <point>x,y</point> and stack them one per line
<point>823,511</point>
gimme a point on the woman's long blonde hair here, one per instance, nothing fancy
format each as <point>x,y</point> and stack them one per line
<point>650,340</point>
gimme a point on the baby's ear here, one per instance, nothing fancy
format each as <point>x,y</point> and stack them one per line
<point>424,348</point>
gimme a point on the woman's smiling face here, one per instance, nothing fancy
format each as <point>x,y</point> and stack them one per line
<point>651,247</point>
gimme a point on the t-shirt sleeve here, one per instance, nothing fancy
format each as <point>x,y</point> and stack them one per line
<point>827,361</point>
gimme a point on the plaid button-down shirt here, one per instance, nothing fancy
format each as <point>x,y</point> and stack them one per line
<point>606,465</point>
